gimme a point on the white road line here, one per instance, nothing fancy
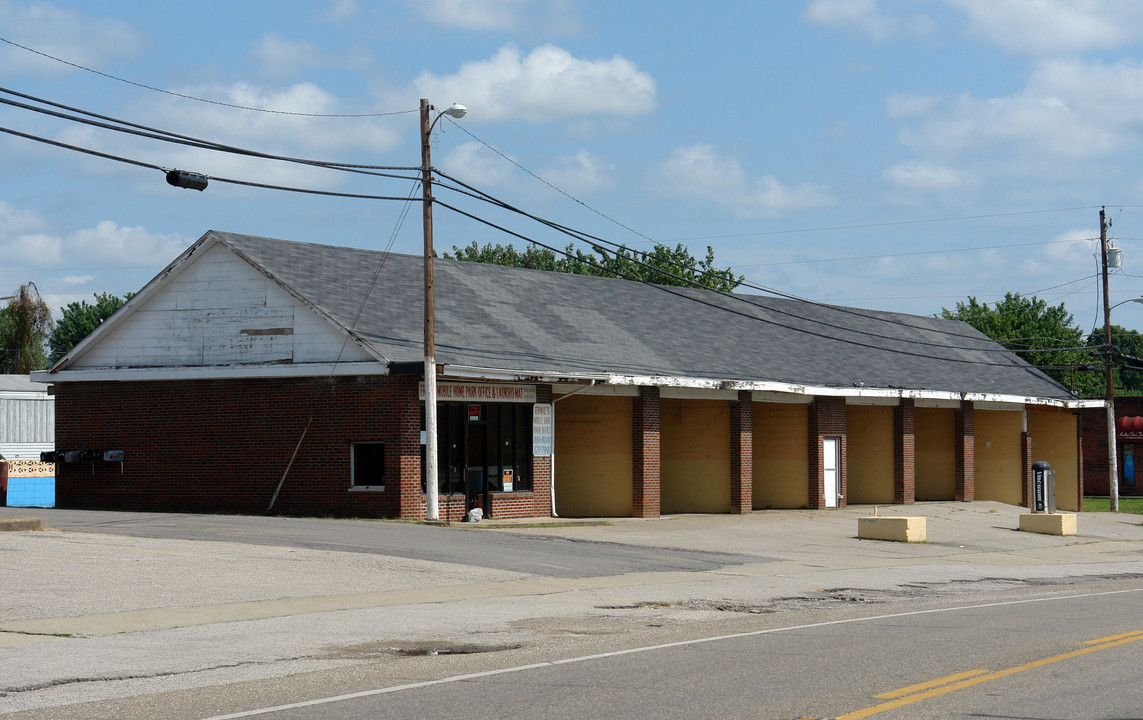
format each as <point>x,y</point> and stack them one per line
<point>646,648</point>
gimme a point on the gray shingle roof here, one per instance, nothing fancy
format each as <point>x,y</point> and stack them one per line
<point>532,321</point>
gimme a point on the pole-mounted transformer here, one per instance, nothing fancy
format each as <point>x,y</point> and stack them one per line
<point>189,180</point>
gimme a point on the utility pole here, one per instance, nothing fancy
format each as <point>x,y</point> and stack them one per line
<point>431,510</point>
<point>1112,452</point>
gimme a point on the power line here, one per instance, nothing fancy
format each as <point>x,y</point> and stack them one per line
<point>232,181</point>
<point>176,138</point>
<point>677,292</point>
<point>569,231</point>
<point>909,254</point>
<point>198,99</point>
<point>862,226</point>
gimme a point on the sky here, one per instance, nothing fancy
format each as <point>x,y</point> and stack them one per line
<point>890,154</point>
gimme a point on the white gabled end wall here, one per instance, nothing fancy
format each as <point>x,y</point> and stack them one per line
<point>220,311</point>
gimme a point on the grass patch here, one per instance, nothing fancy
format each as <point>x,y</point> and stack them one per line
<point>1102,504</point>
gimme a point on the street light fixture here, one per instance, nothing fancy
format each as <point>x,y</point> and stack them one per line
<point>432,512</point>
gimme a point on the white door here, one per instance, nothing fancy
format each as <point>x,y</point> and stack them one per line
<point>830,465</point>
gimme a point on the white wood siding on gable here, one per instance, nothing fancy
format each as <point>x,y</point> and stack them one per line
<point>220,311</point>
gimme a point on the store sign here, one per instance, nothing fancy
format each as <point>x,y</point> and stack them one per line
<point>1129,428</point>
<point>483,392</point>
<point>543,429</point>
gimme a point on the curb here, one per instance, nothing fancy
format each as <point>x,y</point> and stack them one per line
<point>19,524</point>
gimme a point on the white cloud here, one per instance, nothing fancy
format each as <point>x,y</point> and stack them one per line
<point>66,34</point>
<point>108,241</point>
<point>345,139</point>
<point>922,176</point>
<point>1055,27</point>
<point>36,249</point>
<point>867,17</point>
<point>77,279</point>
<point>343,10</point>
<point>548,84</point>
<point>700,173</point>
<point>473,14</point>
<point>1069,110</point>
<point>14,221</point>
<point>905,105</point>
<point>580,174</point>
<point>476,165</point>
<point>280,57</point>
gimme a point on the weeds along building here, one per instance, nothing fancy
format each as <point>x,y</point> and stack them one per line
<point>254,372</point>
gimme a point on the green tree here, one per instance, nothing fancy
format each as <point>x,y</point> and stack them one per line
<point>663,265</point>
<point>79,319</point>
<point>1127,360</point>
<point>25,324</point>
<point>1045,336</point>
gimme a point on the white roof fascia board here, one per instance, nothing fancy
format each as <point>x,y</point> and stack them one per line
<point>686,393</point>
<point>219,372</point>
<point>995,405</point>
<point>137,300</point>
<point>937,403</point>
<point>872,400</point>
<point>862,392</point>
<point>784,398</point>
<point>597,389</point>
<point>467,372</point>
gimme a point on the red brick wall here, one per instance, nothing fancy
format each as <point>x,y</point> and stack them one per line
<point>1093,430</point>
<point>646,426</point>
<point>223,446</point>
<point>965,452</point>
<point>742,453</point>
<point>827,418</point>
<point>904,453</point>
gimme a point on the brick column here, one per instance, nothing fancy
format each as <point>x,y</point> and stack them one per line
<point>742,453</point>
<point>904,453</point>
<point>542,466</point>
<point>645,454</point>
<point>965,452</point>
<point>1026,469</point>
<point>827,419</point>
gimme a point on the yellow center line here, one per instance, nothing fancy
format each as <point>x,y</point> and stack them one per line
<point>930,684</point>
<point>1113,641</point>
<point>1133,633</point>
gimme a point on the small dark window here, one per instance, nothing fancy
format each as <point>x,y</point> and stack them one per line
<point>368,464</point>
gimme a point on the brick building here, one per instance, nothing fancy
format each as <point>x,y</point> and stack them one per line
<point>254,372</point>
<point>1128,445</point>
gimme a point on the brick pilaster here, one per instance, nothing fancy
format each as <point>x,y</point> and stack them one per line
<point>645,451</point>
<point>742,453</point>
<point>965,452</point>
<point>1026,469</point>
<point>827,418</point>
<point>542,467</point>
<point>904,453</point>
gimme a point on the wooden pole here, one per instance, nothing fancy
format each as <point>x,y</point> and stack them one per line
<point>431,500</point>
<point>1112,452</point>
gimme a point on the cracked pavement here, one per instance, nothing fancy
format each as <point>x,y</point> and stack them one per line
<point>99,615</point>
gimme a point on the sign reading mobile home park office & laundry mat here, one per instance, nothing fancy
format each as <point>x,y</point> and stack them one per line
<point>483,392</point>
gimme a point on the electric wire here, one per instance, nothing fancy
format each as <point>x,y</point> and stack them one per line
<point>176,138</point>
<point>573,233</point>
<point>585,237</point>
<point>672,291</point>
<point>231,181</point>
<point>199,99</point>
